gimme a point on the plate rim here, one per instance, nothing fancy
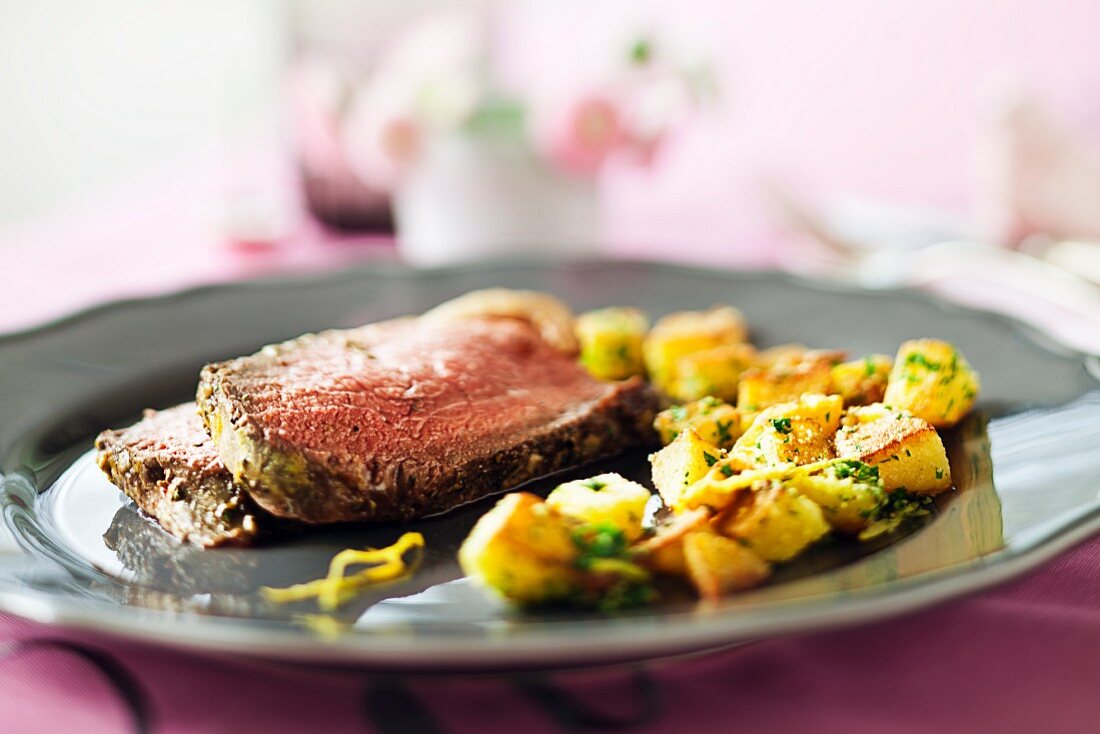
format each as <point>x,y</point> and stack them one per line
<point>619,642</point>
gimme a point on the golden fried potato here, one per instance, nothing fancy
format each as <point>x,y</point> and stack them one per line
<point>784,381</point>
<point>862,381</point>
<point>717,565</point>
<point>906,450</point>
<point>664,552</point>
<point>782,354</point>
<point>680,464</point>
<point>611,342</point>
<point>850,494</point>
<point>549,315</point>
<point>523,550</point>
<point>712,372</point>
<point>684,332</point>
<point>605,499</point>
<point>933,381</point>
<point>786,356</point>
<point>716,422</point>
<point>798,432</point>
<point>774,521</point>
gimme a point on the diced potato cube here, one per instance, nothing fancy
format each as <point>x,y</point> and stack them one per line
<point>680,464</point>
<point>850,498</point>
<point>774,521</point>
<point>550,316</point>
<point>786,356</point>
<point>712,372</point>
<point>664,552</point>
<point>747,419</point>
<point>608,498</point>
<point>758,388</point>
<point>933,381</point>
<point>611,342</point>
<point>717,565</point>
<point>716,422</point>
<point>685,332</point>
<point>862,381</point>
<point>798,432</point>
<point>784,353</point>
<point>906,450</point>
<point>523,550</point>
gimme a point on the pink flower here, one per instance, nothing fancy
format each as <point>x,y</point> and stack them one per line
<point>381,145</point>
<point>426,85</point>
<point>578,136</point>
<point>401,140</point>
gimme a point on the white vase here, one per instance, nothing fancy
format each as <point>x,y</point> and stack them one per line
<point>474,196</point>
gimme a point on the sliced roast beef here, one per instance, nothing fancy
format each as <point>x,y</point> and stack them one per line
<point>405,418</point>
<point>168,466</point>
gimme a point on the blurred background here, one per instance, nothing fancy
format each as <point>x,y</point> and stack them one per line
<point>145,146</point>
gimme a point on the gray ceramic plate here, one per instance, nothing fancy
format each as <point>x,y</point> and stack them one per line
<point>1026,463</point>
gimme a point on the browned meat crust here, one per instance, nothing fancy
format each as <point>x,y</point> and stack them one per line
<point>168,466</point>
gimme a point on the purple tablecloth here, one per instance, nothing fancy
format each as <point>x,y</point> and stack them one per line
<point>1022,658</point>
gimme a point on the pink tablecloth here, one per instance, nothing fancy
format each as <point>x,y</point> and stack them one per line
<point>1022,658</point>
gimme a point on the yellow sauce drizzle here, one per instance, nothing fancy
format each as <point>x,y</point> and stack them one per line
<point>336,589</point>
<point>326,626</point>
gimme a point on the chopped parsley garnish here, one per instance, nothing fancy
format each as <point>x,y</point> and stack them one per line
<point>626,596</point>
<point>898,507</point>
<point>856,470</point>
<point>598,540</point>
<point>919,359</point>
<point>782,425</point>
<point>603,553</point>
<point>724,434</point>
<point>709,403</point>
<point>711,460</point>
<point>901,502</point>
<point>726,469</point>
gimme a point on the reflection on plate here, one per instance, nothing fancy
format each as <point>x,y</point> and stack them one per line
<point>1026,465</point>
